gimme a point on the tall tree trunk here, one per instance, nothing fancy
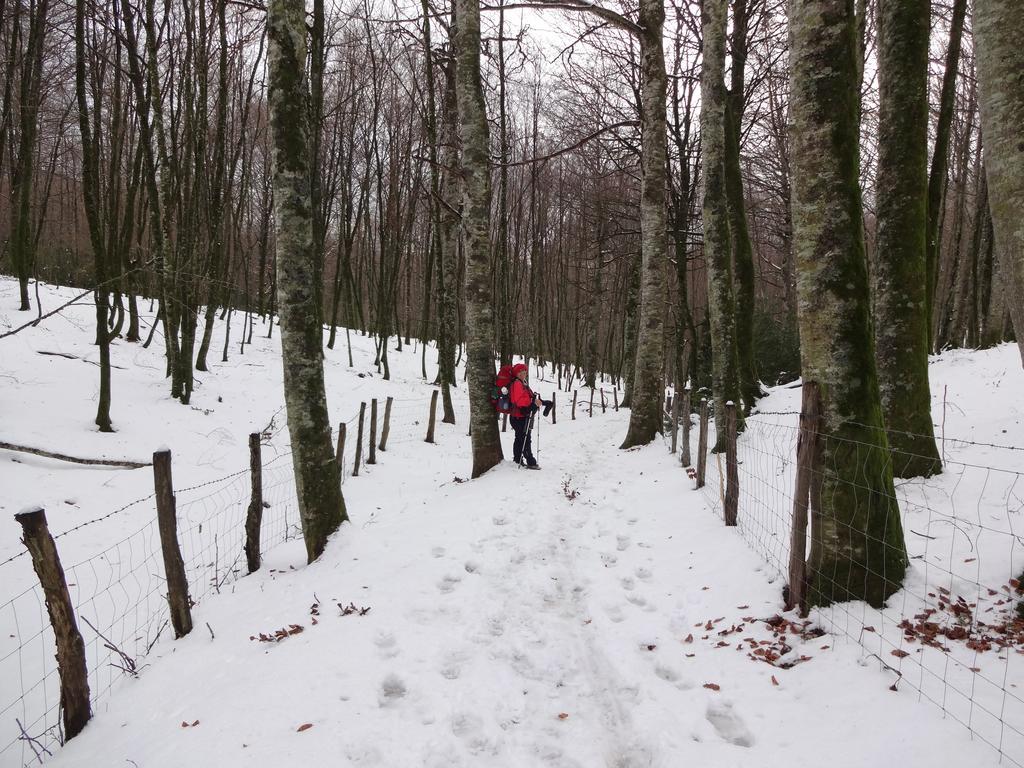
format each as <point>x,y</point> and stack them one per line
<point>899,268</point>
<point>742,250</point>
<point>716,216</point>
<point>476,224</point>
<point>940,161</point>
<point>1000,62</point>
<point>317,477</point>
<point>647,385</point>
<point>857,548</point>
<point>30,94</point>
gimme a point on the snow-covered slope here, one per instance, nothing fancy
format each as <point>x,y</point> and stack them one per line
<point>596,613</point>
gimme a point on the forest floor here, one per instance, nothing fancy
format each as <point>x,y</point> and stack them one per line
<point>596,613</point>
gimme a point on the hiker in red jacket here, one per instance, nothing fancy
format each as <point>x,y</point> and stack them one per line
<point>524,403</point>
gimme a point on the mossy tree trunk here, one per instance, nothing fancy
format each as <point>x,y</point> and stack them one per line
<point>742,250</point>
<point>476,225</point>
<point>717,241</point>
<point>899,269</point>
<point>857,549</point>
<point>1000,66</point>
<point>317,478</point>
<point>645,396</point>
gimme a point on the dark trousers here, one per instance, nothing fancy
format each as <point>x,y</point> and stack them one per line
<point>522,449</point>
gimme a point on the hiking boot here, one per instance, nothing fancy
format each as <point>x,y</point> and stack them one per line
<point>533,466</point>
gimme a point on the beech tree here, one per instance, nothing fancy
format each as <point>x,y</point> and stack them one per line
<point>899,271</point>
<point>1000,62</point>
<point>857,548</point>
<point>317,475</point>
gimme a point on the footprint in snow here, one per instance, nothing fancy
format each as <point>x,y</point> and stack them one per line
<point>499,520</point>
<point>608,559</point>
<point>386,644</point>
<point>643,574</point>
<point>623,543</point>
<point>438,551</point>
<point>447,583</point>
<point>728,724</point>
<point>627,582</point>
<point>392,688</point>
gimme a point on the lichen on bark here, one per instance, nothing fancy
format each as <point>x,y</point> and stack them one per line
<point>317,475</point>
<point>857,548</point>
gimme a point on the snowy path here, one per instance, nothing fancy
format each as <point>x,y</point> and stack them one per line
<point>512,625</point>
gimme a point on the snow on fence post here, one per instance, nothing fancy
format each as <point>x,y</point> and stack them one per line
<point>433,417</point>
<point>372,458</point>
<point>574,394</point>
<point>359,440</point>
<point>675,424</point>
<point>254,515</point>
<point>74,677</point>
<point>806,494</point>
<point>732,478</point>
<point>554,400</point>
<point>684,457</point>
<point>339,455</point>
<point>386,428</point>
<point>702,443</point>
<point>174,566</point>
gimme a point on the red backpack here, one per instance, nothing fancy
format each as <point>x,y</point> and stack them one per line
<point>501,391</point>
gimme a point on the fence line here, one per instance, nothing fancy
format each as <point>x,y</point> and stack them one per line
<point>119,595</point>
<point>953,631</point>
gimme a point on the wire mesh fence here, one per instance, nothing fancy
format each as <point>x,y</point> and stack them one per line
<point>948,552</point>
<point>119,595</point>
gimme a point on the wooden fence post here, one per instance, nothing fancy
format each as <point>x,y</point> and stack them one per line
<point>604,403</point>
<point>684,457</point>
<point>433,417</point>
<point>174,566</point>
<point>615,396</point>
<point>675,423</point>
<point>591,402</point>
<point>359,440</point>
<point>732,477</point>
<point>574,393</point>
<point>554,410</point>
<point>372,458</point>
<point>702,443</point>
<point>386,428</point>
<point>74,677</point>
<point>254,515</point>
<point>806,494</point>
<point>339,455</point>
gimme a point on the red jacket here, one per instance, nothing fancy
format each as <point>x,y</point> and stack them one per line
<point>521,397</point>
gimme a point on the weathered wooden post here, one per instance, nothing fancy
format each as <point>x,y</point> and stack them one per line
<point>684,457</point>
<point>574,393</point>
<point>339,455</point>
<point>433,417</point>
<point>74,677</point>
<point>372,458</point>
<point>615,399</point>
<point>254,515</point>
<point>702,443</point>
<point>807,493</point>
<point>386,429</point>
<point>174,566</point>
<point>591,409</point>
<point>732,477</point>
<point>675,423</point>
<point>359,440</point>
<point>604,403</point>
<point>554,409</point>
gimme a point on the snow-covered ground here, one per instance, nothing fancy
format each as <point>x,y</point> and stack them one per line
<point>596,613</point>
